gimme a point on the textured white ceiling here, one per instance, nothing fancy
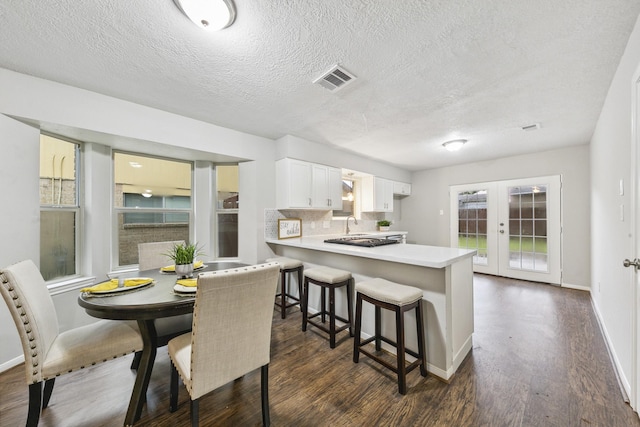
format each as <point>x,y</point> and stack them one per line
<point>428,71</point>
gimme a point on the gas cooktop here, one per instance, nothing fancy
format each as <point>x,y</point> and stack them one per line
<point>368,242</point>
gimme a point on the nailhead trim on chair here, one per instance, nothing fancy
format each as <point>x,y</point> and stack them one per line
<point>35,362</point>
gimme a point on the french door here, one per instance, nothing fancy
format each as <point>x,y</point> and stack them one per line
<point>515,227</point>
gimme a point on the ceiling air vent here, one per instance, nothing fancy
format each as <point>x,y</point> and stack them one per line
<point>335,79</point>
<point>534,126</point>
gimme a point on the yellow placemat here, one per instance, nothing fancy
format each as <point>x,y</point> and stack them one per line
<point>172,268</point>
<point>187,282</point>
<point>112,284</point>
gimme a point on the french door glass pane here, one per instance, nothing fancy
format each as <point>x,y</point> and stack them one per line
<point>472,223</point>
<point>528,228</point>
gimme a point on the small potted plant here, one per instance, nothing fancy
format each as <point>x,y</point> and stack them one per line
<point>183,257</point>
<point>383,225</point>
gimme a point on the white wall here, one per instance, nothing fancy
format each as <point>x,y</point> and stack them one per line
<point>430,194</point>
<point>612,285</point>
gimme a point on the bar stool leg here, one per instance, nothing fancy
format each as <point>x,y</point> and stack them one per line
<point>421,344</point>
<point>332,317</point>
<point>300,275</point>
<point>305,302</point>
<point>350,306</point>
<point>323,304</point>
<point>356,340</point>
<point>402,369</point>
<point>283,294</point>
<point>378,328</point>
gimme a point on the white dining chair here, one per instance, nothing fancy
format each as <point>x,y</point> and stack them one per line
<point>154,254</point>
<point>48,352</point>
<point>231,334</point>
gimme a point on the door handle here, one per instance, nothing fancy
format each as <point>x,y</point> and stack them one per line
<point>501,231</point>
<point>635,263</point>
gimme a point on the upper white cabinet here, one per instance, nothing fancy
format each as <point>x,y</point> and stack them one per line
<point>304,185</point>
<point>401,188</point>
<point>377,194</point>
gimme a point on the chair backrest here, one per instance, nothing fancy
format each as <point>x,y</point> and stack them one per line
<point>30,304</point>
<point>232,318</point>
<point>153,255</point>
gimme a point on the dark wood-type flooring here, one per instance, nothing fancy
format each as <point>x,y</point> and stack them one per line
<point>538,359</point>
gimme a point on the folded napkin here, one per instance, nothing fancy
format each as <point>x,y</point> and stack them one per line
<point>187,282</point>
<point>172,268</point>
<point>113,284</point>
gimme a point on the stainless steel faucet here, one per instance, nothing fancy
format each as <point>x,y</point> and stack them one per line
<point>355,222</point>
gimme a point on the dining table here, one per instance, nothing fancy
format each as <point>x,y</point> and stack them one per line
<point>145,305</point>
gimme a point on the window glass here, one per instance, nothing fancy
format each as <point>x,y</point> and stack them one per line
<point>59,208</point>
<point>348,199</point>
<point>228,203</point>
<point>152,199</point>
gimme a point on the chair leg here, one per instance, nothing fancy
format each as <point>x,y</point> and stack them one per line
<point>48,389</point>
<point>356,339</point>
<point>136,360</point>
<point>195,413</point>
<point>173,389</point>
<point>35,404</point>
<point>264,388</point>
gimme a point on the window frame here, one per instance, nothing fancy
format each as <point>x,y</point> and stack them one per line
<point>117,210</point>
<point>77,209</point>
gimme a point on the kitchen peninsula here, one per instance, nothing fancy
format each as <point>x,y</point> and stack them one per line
<point>445,276</point>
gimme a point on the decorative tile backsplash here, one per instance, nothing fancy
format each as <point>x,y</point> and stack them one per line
<point>313,222</point>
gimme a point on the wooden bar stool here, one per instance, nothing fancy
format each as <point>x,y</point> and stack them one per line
<point>327,278</point>
<point>288,265</point>
<point>399,299</point>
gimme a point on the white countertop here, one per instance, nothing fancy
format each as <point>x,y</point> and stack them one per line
<point>405,253</point>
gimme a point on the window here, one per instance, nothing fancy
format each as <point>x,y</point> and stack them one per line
<point>349,187</point>
<point>59,208</point>
<point>227,211</point>
<point>152,202</point>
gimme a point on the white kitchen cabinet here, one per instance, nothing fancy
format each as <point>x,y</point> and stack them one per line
<point>401,188</point>
<point>305,185</point>
<point>377,194</point>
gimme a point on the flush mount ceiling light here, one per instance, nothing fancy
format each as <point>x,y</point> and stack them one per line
<point>210,15</point>
<point>454,145</point>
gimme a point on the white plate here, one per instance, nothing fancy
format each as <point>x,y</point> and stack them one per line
<point>185,289</point>
<point>126,288</point>
<point>174,271</point>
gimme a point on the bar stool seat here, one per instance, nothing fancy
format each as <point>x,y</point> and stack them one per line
<point>399,299</point>
<point>327,278</point>
<point>288,265</point>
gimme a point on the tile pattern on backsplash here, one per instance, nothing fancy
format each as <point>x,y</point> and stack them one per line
<point>313,222</point>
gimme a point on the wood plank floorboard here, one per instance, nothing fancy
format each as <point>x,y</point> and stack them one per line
<point>538,359</point>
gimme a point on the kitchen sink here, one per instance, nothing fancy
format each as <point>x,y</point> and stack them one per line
<point>368,242</point>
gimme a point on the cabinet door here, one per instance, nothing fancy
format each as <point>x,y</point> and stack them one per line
<point>402,188</point>
<point>377,194</point>
<point>335,188</point>
<point>293,184</point>
<point>320,187</point>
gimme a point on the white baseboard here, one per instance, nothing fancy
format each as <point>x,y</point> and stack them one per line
<point>11,363</point>
<point>578,287</point>
<point>623,382</point>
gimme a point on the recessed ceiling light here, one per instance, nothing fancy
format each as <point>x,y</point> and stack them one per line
<point>454,145</point>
